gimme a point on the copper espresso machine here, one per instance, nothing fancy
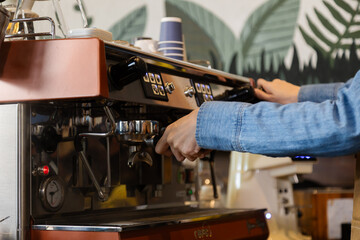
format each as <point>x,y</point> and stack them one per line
<point>79,120</point>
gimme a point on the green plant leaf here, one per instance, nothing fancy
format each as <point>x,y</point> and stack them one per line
<point>325,22</point>
<point>201,28</point>
<point>270,28</point>
<point>318,33</point>
<point>345,6</point>
<point>311,42</point>
<point>130,26</point>
<point>342,33</point>
<point>355,34</point>
<point>336,14</point>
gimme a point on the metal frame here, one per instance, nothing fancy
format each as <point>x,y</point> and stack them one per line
<point>51,33</point>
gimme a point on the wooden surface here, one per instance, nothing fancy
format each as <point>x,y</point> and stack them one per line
<point>355,224</point>
<point>319,211</point>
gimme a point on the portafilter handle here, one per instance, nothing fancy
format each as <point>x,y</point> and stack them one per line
<point>151,141</point>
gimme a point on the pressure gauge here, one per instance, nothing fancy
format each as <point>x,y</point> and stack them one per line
<point>52,193</point>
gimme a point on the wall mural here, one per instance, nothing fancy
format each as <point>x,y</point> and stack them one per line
<point>260,48</point>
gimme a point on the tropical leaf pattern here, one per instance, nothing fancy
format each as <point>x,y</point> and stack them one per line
<point>269,30</point>
<point>343,35</point>
<point>217,32</point>
<point>130,26</point>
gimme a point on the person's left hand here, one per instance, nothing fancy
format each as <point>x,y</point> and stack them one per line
<point>179,139</point>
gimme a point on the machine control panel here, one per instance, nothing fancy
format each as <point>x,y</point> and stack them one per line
<point>153,86</point>
<point>203,92</point>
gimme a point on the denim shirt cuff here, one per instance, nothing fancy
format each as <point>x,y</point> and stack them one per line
<point>219,124</point>
<point>318,92</point>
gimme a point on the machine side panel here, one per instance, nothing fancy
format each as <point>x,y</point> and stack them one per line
<point>8,171</point>
<point>50,70</point>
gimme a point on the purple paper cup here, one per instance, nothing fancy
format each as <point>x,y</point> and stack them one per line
<point>170,29</point>
<point>171,50</point>
<point>175,56</point>
<point>166,44</point>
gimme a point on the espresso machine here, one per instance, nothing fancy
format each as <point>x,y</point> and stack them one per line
<point>79,122</point>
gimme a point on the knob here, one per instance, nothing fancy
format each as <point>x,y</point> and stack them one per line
<point>169,87</point>
<point>127,71</point>
<point>189,92</point>
<point>41,171</point>
<point>49,139</point>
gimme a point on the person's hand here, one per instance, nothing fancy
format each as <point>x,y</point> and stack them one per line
<point>278,91</point>
<point>179,139</point>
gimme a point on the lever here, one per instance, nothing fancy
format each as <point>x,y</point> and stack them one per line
<point>241,94</point>
<point>126,72</point>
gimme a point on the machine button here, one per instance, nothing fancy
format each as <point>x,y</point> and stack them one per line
<point>158,79</point>
<point>189,192</point>
<point>41,171</point>
<point>152,78</point>
<point>161,90</point>
<point>198,87</point>
<point>155,89</point>
<point>169,87</point>
<point>208,90</point>
<point>146,77</point>
<point>203,88</point>
<point>189,92</point>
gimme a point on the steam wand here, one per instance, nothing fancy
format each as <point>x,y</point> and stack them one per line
<point>212,172</point>
<point>81,138</point>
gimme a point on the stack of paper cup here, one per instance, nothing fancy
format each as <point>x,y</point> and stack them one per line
<point>171,38</point>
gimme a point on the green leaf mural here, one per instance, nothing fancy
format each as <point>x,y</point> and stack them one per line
<point>342,35</point>
<point>206,36</point>
<point>131,26</point>
<point>269,29</point>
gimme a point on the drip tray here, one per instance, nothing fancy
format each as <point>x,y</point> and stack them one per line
<point>157,217</point>
<point>168,224</point>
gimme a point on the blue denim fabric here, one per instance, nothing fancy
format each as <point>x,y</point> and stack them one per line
<point>324,124</point>
<point>320,92</point>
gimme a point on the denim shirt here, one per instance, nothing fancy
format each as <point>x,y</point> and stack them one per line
<point>324,122</point>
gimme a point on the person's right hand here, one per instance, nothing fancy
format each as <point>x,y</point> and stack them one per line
<point>278,91</point>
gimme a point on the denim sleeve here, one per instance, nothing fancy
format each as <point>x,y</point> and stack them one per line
<point>326,128</point>
<point>319,92</point>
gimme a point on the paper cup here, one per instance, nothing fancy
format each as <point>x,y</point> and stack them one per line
<point>147,45</point>
<point>175,56</point>
<point>170,29</point>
